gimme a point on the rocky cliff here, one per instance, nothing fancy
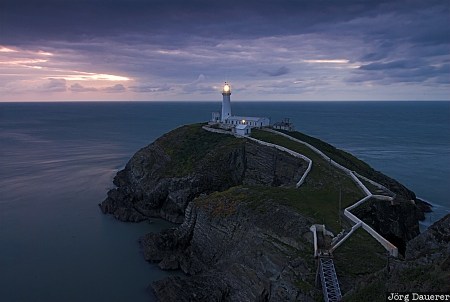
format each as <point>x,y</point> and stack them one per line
<point>245,228</point>
<point>396,221</point>
<point>162,178</point>
<point>234,249</point>
<point>426,267</point>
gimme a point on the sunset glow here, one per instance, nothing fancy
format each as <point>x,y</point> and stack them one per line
<point>23,62</point>
<point>87,76</point>
<point>284,50</point>
<point>5,49</point>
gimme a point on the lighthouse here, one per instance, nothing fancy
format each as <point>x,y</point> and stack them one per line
<point>240,125</point>
<point>226,104</point>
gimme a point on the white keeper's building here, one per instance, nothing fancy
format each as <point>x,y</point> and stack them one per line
<point>239,124</point>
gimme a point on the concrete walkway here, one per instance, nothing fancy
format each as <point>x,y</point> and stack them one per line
<point>352,174</point>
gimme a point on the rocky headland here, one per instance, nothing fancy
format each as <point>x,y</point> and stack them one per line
<point>162,178</point>
<point>244,227</point>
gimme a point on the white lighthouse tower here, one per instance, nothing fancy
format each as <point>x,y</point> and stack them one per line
<point>226,104</point>
<point>240,125</point>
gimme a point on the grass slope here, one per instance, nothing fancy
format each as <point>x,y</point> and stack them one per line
<point>318,198</point>
<point>189,144</point>
<point>319,195</point>
<point>351,162</point>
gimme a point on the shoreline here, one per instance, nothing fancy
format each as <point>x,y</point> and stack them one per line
<point>437,212</point>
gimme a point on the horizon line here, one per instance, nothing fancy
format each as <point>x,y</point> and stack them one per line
<point>212,101</point>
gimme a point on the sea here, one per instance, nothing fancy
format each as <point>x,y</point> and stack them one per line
<point>57,162</point>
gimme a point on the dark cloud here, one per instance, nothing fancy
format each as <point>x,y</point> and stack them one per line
<point>79,88</point>
<point>169,43</point>
<point>150,88</point>
<point>373,56</point>
<point>277,72</point>
<point>156,20</point>
<point>402,72</point>
<point>54,85</point>
<point>400,64</point>
<point>115,89</point>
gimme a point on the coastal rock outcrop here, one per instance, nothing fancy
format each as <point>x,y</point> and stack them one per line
<point>432,244</point>
<point>396,220</point>
<point>426,267</point>
<point>234,249</point>
<point>162,178</point>
<point>244,227</point>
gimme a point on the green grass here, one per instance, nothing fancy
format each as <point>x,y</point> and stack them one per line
<point>351,162</point>
<point>374,292</point>
<point>318,197</point>
<point>320,205</point>
<point>344,158</point>
<point>224,203</point>
<point>358,258</point>
<point>359,255</point>
<point>321,170</point>
<point>189,144</point>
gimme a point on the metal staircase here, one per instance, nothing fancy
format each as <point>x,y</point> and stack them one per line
<point>328,278</point>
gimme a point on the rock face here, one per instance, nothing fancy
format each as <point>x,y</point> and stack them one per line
<point>426,267</point>
<point>162,178</point>
<point>246,252</point>
<point>240,239</point>
<point>397,222</point>
<point>432,245</point>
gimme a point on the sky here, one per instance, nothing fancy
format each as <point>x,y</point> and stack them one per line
<point>158,50</point>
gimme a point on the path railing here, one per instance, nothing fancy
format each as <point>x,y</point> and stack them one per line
<point>354,176</point>
<point>281,148</point>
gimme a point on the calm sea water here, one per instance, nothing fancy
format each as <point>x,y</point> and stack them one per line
<point>57,162</point>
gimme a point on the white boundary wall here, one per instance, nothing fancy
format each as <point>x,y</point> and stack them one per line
<point>281,148</point>
<point>328,159</point>
<point>313,229</point>
<point>392,249</point>
<point>318,228</point>
<point>358,222</point>
<point>383,241</point>
<point>354,228</point>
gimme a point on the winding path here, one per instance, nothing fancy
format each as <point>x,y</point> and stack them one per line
<point>392,249</point>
